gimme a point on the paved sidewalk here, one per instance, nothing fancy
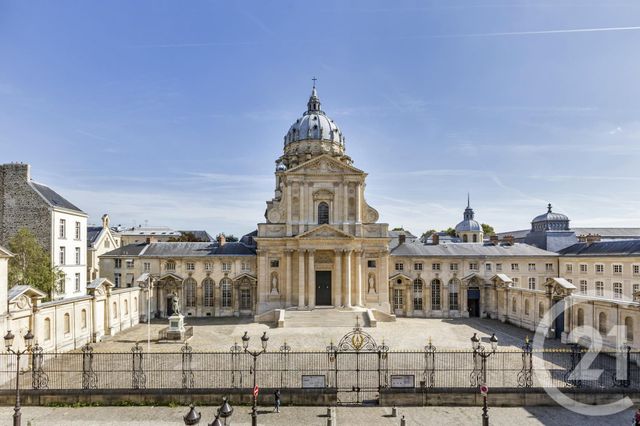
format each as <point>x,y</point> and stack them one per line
<point>351,416</point>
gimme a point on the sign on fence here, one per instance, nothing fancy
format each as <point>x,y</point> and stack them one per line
<point>403,381</point>
<point>313,381</point>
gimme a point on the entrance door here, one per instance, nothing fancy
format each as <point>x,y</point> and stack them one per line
<point>559,322</point>
<point>473,301</point>
<point>169,306</point>
<point>323,288</point>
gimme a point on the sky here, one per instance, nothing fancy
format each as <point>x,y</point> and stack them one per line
<point>173,113</point>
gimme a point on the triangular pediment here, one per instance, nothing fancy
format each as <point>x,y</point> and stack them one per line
<point>325,164</point>
<point>323,232</point>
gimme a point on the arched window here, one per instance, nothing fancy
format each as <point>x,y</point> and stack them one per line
<point>526,307</point>
<point>47,329</point>
<point>475,238</point>
<point>323,213</point>
<point>628,324</point>
<point>435,295</point>
<point>126,307</point>
<point>225,287</point>
<point>67,324</point>
<point>602,323</point>
<point>540,310</point>
<point>465,238</point>
<point>190,293</point>
<point>453,295</point>
<point>514,305</point>
<point>417,295</point>
<point>114,309</point>
<point>83,319</point>
<point>207,285</point>
<point>580,317</point>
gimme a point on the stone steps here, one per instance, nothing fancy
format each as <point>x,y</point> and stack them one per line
<point>325,318</point>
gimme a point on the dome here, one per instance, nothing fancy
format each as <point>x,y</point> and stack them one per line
<point>550,216</point>
<point>468,225</point>
<point>550,221</point>
<point>314,125</point>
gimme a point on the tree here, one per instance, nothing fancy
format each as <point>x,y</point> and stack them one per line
<point>185,237</point>
<point>488,229</point>
<point>398,228</point>
<point>31,264</point>
<point>427,234</point>
<point>450,231</point>
<point>230,238</point>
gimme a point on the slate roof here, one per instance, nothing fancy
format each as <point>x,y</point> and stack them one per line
<point>17,290</point>
<point>92,234</point>
<point>200,235</point>
<point>604,248</point>
<point>604,232</point>
<point>469,250</point>
<point>395,235</point>
<point>150,230</point>
<point>128,250</point>
<point>182,249</point>
<point>53,198</point>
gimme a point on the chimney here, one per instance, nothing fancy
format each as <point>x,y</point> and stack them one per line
<point>493,239</point>
<point>582,238</point>
<point>435,239</point>
<point>402,238</point>
<point>221,239</point>
<point>508,239</point>
<point>592,239</point>
<point>105,220</point>
<point>15,170</point>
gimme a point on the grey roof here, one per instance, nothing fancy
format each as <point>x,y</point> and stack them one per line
<point>98,282</point>
<point>92,234</point>
<point>395,235</point>
<point>53,198</point>
<point>468,250</point>
<point>200,235</point>
<point>197,249</point>
<point>128,250</point>
<point>604,232</point>
<point>604,248</point>
<point>17,290</point>
<point>150,230</point>
<point>468,225</point>
<point>517,235</point>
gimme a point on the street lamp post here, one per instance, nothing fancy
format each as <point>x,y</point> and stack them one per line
<point>255,354</point>
<point>479,351</point>
<point>8,341</point>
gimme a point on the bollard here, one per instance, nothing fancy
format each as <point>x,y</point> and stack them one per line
<point>394,412</point>
<point>403,422</point>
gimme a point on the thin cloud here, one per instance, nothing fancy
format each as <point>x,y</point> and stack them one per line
<point>539,32</point>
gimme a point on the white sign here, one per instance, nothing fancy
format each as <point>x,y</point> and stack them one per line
<point>312,382</point>
<point>400,381</point>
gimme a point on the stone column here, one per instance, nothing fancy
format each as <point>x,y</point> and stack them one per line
<point>337,273</point>
<point>359,255</point>
<point>347,270</point>
<point>358,202</point>
<point>345,206</point>
<point>289,273</point>
<point>303,206</point>
<point>289,188</point>
<point>382,286</point>
<point>217,299</point>
<point>312,280</point>
<point>301,278</point>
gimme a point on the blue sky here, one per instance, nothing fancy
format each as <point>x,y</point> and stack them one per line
<point>174,112</point>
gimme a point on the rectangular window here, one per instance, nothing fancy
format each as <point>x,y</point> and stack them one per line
<point>208,293</point>
<point>498,267</point>
<point>516,282</point>
<point>245,299</point>
<point>617,269</point>
<point>399,266</point>
<point>63,257</point>
<point>208,266</point>
<point>371,263</point>
<point>515,267</point>
<point>116,278</point>
<point>147,266</point>
<point>62,231</point>
<point>487,267</point>
<point>435,267</point>
<point>191,266</point>
<point>599,268</point>
<point>398,300</point>
<point>473,266</point>
<point>275,263</point>
<point>129,263</point>
<point>77,283</point>
<point>77,231</point>
<point>453,301</point>
<point>417,295</point>
<point>548,267</point>
<point>129,280</point>
<point>583,268</point>
<point>418,267</point>
<point>226,295</point>
<point>636,269</point>
<point>453,266</point>
<point>636,288</point>
<point>117,263</point>
<point>246,266</point>
<point>599,288</point>
<point>568,268</point>
<point>170,266</point>
<point>78,256</point>
<point>617,290</point>
<point>583,286</point>
<point>532,283</point>
<point>226,266</point>
<point>532,266</point>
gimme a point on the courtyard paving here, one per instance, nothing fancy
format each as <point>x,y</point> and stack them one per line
<point>352,416</point>
<point>404,334</point>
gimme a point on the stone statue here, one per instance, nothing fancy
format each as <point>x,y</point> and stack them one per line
<point>176,304</point>
<point>372,284</point>
<point>274,284</point>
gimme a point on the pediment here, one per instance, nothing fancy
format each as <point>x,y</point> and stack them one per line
<point>324,232</point>
<point>324,164</point>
